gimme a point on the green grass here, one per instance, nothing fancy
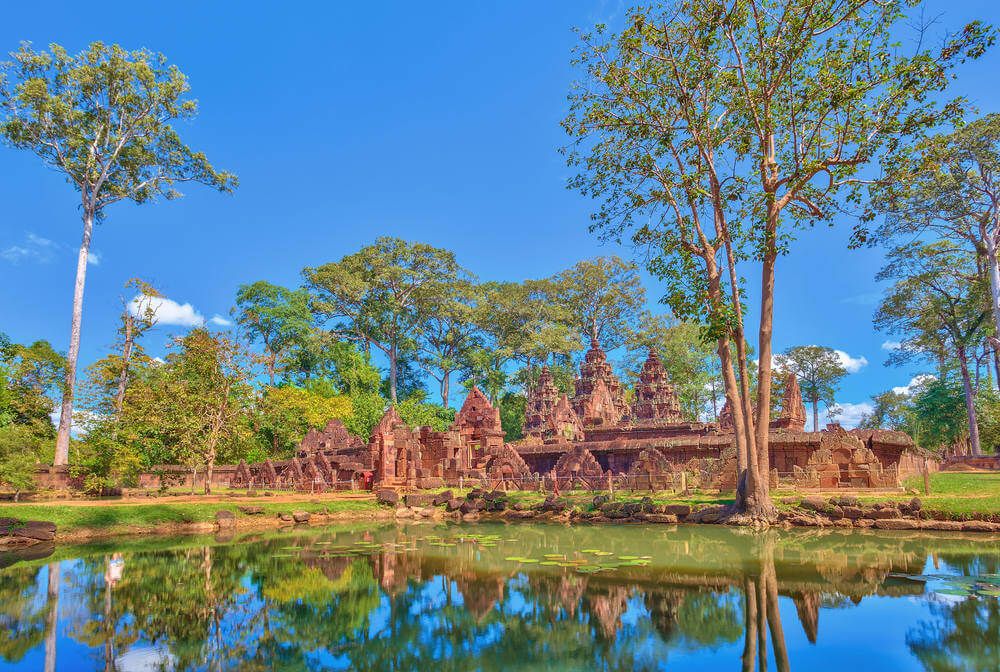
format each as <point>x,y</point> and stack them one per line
<point>112,517</point>
<point>958,494</point>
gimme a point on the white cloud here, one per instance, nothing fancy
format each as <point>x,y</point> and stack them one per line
<point>15,253</point>
<point>168,311</point>
<point>38,241</point>
<point>852,364</point>
<point>915,382</point>
<point>846,413</point>
<point>35,248</point>
<point>891,345</point>
<point>220,321</point>
<point>94,258</point>
<point>159,360</point>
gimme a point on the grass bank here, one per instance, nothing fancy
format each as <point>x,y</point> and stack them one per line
<point>957,495</point>
<point>142,515</point>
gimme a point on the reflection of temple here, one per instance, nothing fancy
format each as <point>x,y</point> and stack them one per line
<point>584,439</point>
<point>682,598</point>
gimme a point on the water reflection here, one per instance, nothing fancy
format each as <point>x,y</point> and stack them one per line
<point>500,598</point>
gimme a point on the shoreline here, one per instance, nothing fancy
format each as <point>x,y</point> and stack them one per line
<point>844,513</point>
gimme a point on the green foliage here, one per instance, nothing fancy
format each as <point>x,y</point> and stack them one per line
<point>417,413</point>
<point>287,412</point>
<point>367,409</point>
<point>192,410</point>
<point>379,295</point>
<point>28,375</point>
<point>604,298</point>
<point>105,118</point>
<point>512,408</point>
<point>19,451</point>
<point>276,316</point>
<point>939,414</point>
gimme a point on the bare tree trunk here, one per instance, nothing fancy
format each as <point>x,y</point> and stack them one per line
<point>52,617</point>
<point>761,625</point>
<point>73,354</point>
<point>741,344</point>
<point>815,404</point>
<point>994,272</point>
<point>970,401</point>
<point>272,364</point>
<point>774,618</point>
<point>393,363</point>
<point>126,357</point>
<point>762,506</point>
<point>749,625</point>
<point>107,626</point>
<point>445,384</point>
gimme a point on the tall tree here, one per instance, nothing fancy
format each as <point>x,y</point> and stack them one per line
<point>276,316</point>
<point>937,307</point>
<point>702,114</point>
<point>376,294</point>
<point>948,185</point>
<point>138,317</point>
<point>447,332</point>
<point>604,297</point>
<point>211,379</point>
<point>819,371</point>
<point>103,119</point>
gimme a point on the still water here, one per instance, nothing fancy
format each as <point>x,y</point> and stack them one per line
<point>507,597</point>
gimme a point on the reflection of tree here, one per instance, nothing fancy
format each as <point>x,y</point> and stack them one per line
<point>310,610</point>
<point>299,603</point>
<point>761,610</point>
<point>964,636</point>
<point>708,619</point>
<point>23,615</point>
<point>52,615</point>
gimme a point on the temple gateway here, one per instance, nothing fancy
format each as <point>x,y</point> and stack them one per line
<point>588,441</point>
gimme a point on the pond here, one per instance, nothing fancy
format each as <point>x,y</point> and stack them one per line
<point>507,597</point>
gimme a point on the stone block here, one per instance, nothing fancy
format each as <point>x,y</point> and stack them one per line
<point>852,512</point>
<point>418,499</point>
<point>443,497</point>
<point>979,526</point>
<point>387,497</point>
<point>471,506</point>
<point>39,530</point>
<point>897,524</point>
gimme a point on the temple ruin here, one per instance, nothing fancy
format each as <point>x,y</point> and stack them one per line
<point>590,440</point>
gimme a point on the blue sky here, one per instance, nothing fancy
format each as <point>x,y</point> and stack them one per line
<point>434,121</point>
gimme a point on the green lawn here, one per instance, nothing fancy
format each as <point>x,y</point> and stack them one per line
<point>959,494</point>
<point>956,494</point>
<point>113,517</point>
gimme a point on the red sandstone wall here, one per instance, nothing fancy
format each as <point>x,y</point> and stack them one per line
<point>58,478</point>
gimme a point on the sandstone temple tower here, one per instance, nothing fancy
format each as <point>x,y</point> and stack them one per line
<point>655,397</point>
<point>599,399</point>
